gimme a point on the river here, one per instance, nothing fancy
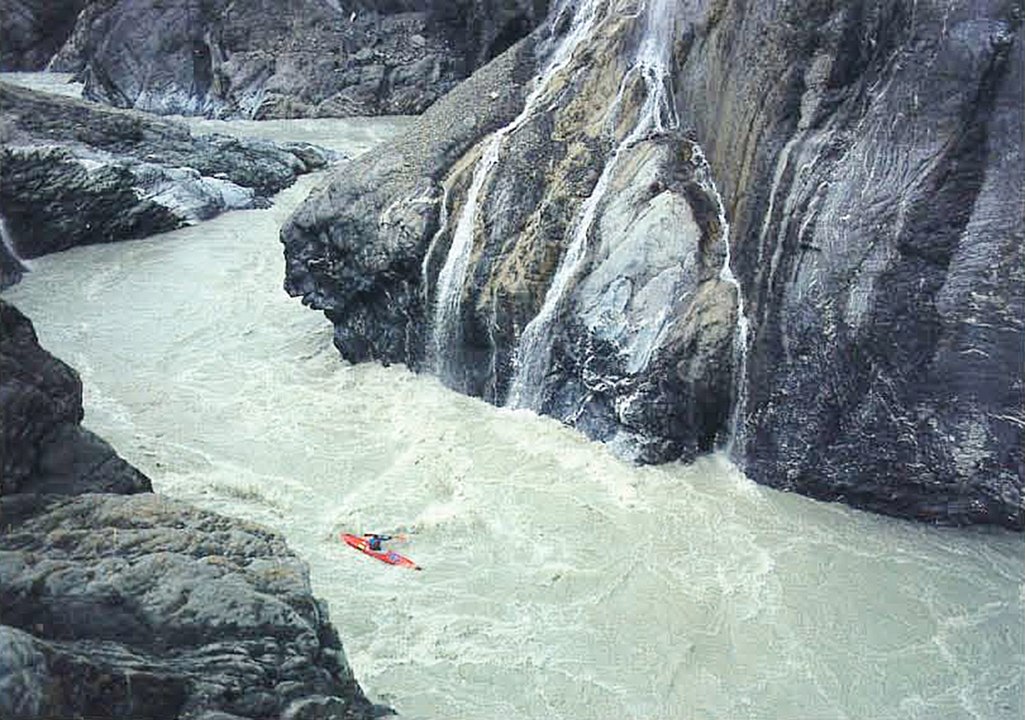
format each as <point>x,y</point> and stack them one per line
<point>559,582</point>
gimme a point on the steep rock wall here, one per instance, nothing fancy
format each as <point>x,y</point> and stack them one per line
<point>32,31</point>
<point>865,217</point>
<point>297,58</point>
<point>871,159</point>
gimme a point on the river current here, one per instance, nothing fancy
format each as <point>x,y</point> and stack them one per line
<point>559,582</point>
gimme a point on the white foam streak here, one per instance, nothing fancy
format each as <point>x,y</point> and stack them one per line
<point>8,242</point>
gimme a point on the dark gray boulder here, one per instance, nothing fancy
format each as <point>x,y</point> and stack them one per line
<point>45,449</point>
<point>292,58</point>
<point>118,603</point>
<point>32,31</point>
<point>865,215</point>
<point>139,606</point>
<point>74,172</point>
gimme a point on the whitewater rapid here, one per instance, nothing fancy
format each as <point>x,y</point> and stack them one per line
<point>558,582</point>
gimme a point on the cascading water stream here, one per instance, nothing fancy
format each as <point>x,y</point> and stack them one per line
<point>8,243</point>
<point>449,294</point>
<point>656,116</point>
<point>425,276</point>
<point>740,336</point>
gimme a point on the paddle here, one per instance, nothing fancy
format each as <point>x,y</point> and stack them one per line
<point>397,536</point>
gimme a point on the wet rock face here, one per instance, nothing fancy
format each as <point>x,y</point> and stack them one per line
<point>637,350</point>
<point>118,603</point>
<point>32,31</point>
<point>373,288</point>
<point>74,173</point>
<point>274,59</point>
<point>867,161</point>
<point>871,160</point>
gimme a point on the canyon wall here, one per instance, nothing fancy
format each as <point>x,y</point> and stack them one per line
<point>791,231</point>
<point>286,58</point>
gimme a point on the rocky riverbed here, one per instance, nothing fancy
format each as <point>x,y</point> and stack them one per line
<point>121,603</point>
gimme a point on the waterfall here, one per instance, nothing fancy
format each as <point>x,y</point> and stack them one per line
<point>656,116</point>
<point>451,279</point>
<point>8,242</point>
<point>740,335</point>
<point>425,277</point>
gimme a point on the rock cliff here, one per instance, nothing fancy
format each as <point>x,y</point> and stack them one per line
<point>791,230</point>
<point>291,58</point>
<point>74,172</point>
<point>32,31</point>
<point>118,603</point>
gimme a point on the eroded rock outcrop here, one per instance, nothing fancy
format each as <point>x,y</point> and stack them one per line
<point>32,31</point>
<point>865,214</point>
<point>118,603</point>
<point>274,59</point>
<point>74,172</point>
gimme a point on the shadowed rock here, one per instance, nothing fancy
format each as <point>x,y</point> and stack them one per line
<point>32,31</point>
<point>292,58</point>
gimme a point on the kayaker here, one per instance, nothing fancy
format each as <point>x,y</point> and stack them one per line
<point>374,540</point>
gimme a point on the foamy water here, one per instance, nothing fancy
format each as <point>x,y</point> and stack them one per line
<point>558,582</point>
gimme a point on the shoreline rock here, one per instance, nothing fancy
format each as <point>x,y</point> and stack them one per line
<point>75,173</point>
<point>117,602</point>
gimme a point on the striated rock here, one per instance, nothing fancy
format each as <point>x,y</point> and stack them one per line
<point>118,603</point>
<point>841,307</point>
<point>32,31</point>
<point>638,349</point>
<point>870,157</point>
<point>273,59</point>
<point>74,173</point>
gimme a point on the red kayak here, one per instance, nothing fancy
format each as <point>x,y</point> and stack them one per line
<point>390,556</point>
